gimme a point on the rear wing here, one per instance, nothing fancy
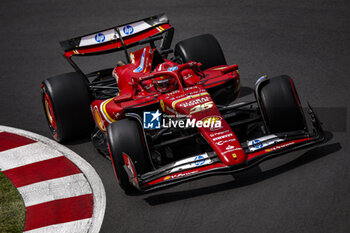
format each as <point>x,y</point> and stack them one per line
<point>119,38</point>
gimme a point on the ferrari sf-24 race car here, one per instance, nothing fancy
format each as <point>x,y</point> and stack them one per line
<point>164,120</point>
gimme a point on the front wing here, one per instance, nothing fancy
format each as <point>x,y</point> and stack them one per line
<point>209,163</point>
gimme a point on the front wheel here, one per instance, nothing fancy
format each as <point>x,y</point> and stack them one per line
<point>280,105</point>
<point>126,136</point>
<point>66,104</point>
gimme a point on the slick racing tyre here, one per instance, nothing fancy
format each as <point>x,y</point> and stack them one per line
<point>126,136</point>
<point>280,105</point>
<point>203,48</point>
<point>66,105</point>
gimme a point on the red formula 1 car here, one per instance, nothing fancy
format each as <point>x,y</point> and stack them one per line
<point>164,120</point>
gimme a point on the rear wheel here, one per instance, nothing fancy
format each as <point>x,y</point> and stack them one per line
<point>280,105</point>
<point>206,50</point>
<point>203,48</point>
<point>126,136</point>
<point>66,104</point>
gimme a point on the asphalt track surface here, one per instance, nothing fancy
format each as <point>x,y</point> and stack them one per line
<point>305,191</point>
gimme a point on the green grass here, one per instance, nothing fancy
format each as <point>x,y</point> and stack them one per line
<point>12,211</point>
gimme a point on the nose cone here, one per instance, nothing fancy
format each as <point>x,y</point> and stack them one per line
<point>225,143</point>
<point>199,106</point>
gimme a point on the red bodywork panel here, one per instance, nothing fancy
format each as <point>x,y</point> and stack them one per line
<point>137,89</point>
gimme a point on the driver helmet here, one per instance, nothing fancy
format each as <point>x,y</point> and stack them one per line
<point>165,83</point>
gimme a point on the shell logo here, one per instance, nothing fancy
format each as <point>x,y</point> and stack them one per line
<point>211,119</point>
<point>167,178</point>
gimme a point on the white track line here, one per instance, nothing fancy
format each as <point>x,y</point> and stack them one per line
<point>92,225</point>
<point>49,190</point>
<point>80,226</point>
<point>34,152</point>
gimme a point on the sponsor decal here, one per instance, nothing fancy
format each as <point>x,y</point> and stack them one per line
<point>187,97</point>
<point>173,93</point>
<point>191,162</point>
<point>111,34</point>
<point>128,30</point>
<point>180,175</point>
<point>279,147</point>
<point>198,163</point>
<point>225,141</point>
<point>173,68</point>
<point>222,137</point>
<point>148,87</point>
<point>212,120</point>
<point>257,144</point>
<point>187,76</point>
<point>229,147</point>
<point>219,133</point>
<point>97,38</point>
<point>100,37</point>
<point>151,120</point>
<point>229,151</point>
<point>142,63</point>
<point>191,103</point>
